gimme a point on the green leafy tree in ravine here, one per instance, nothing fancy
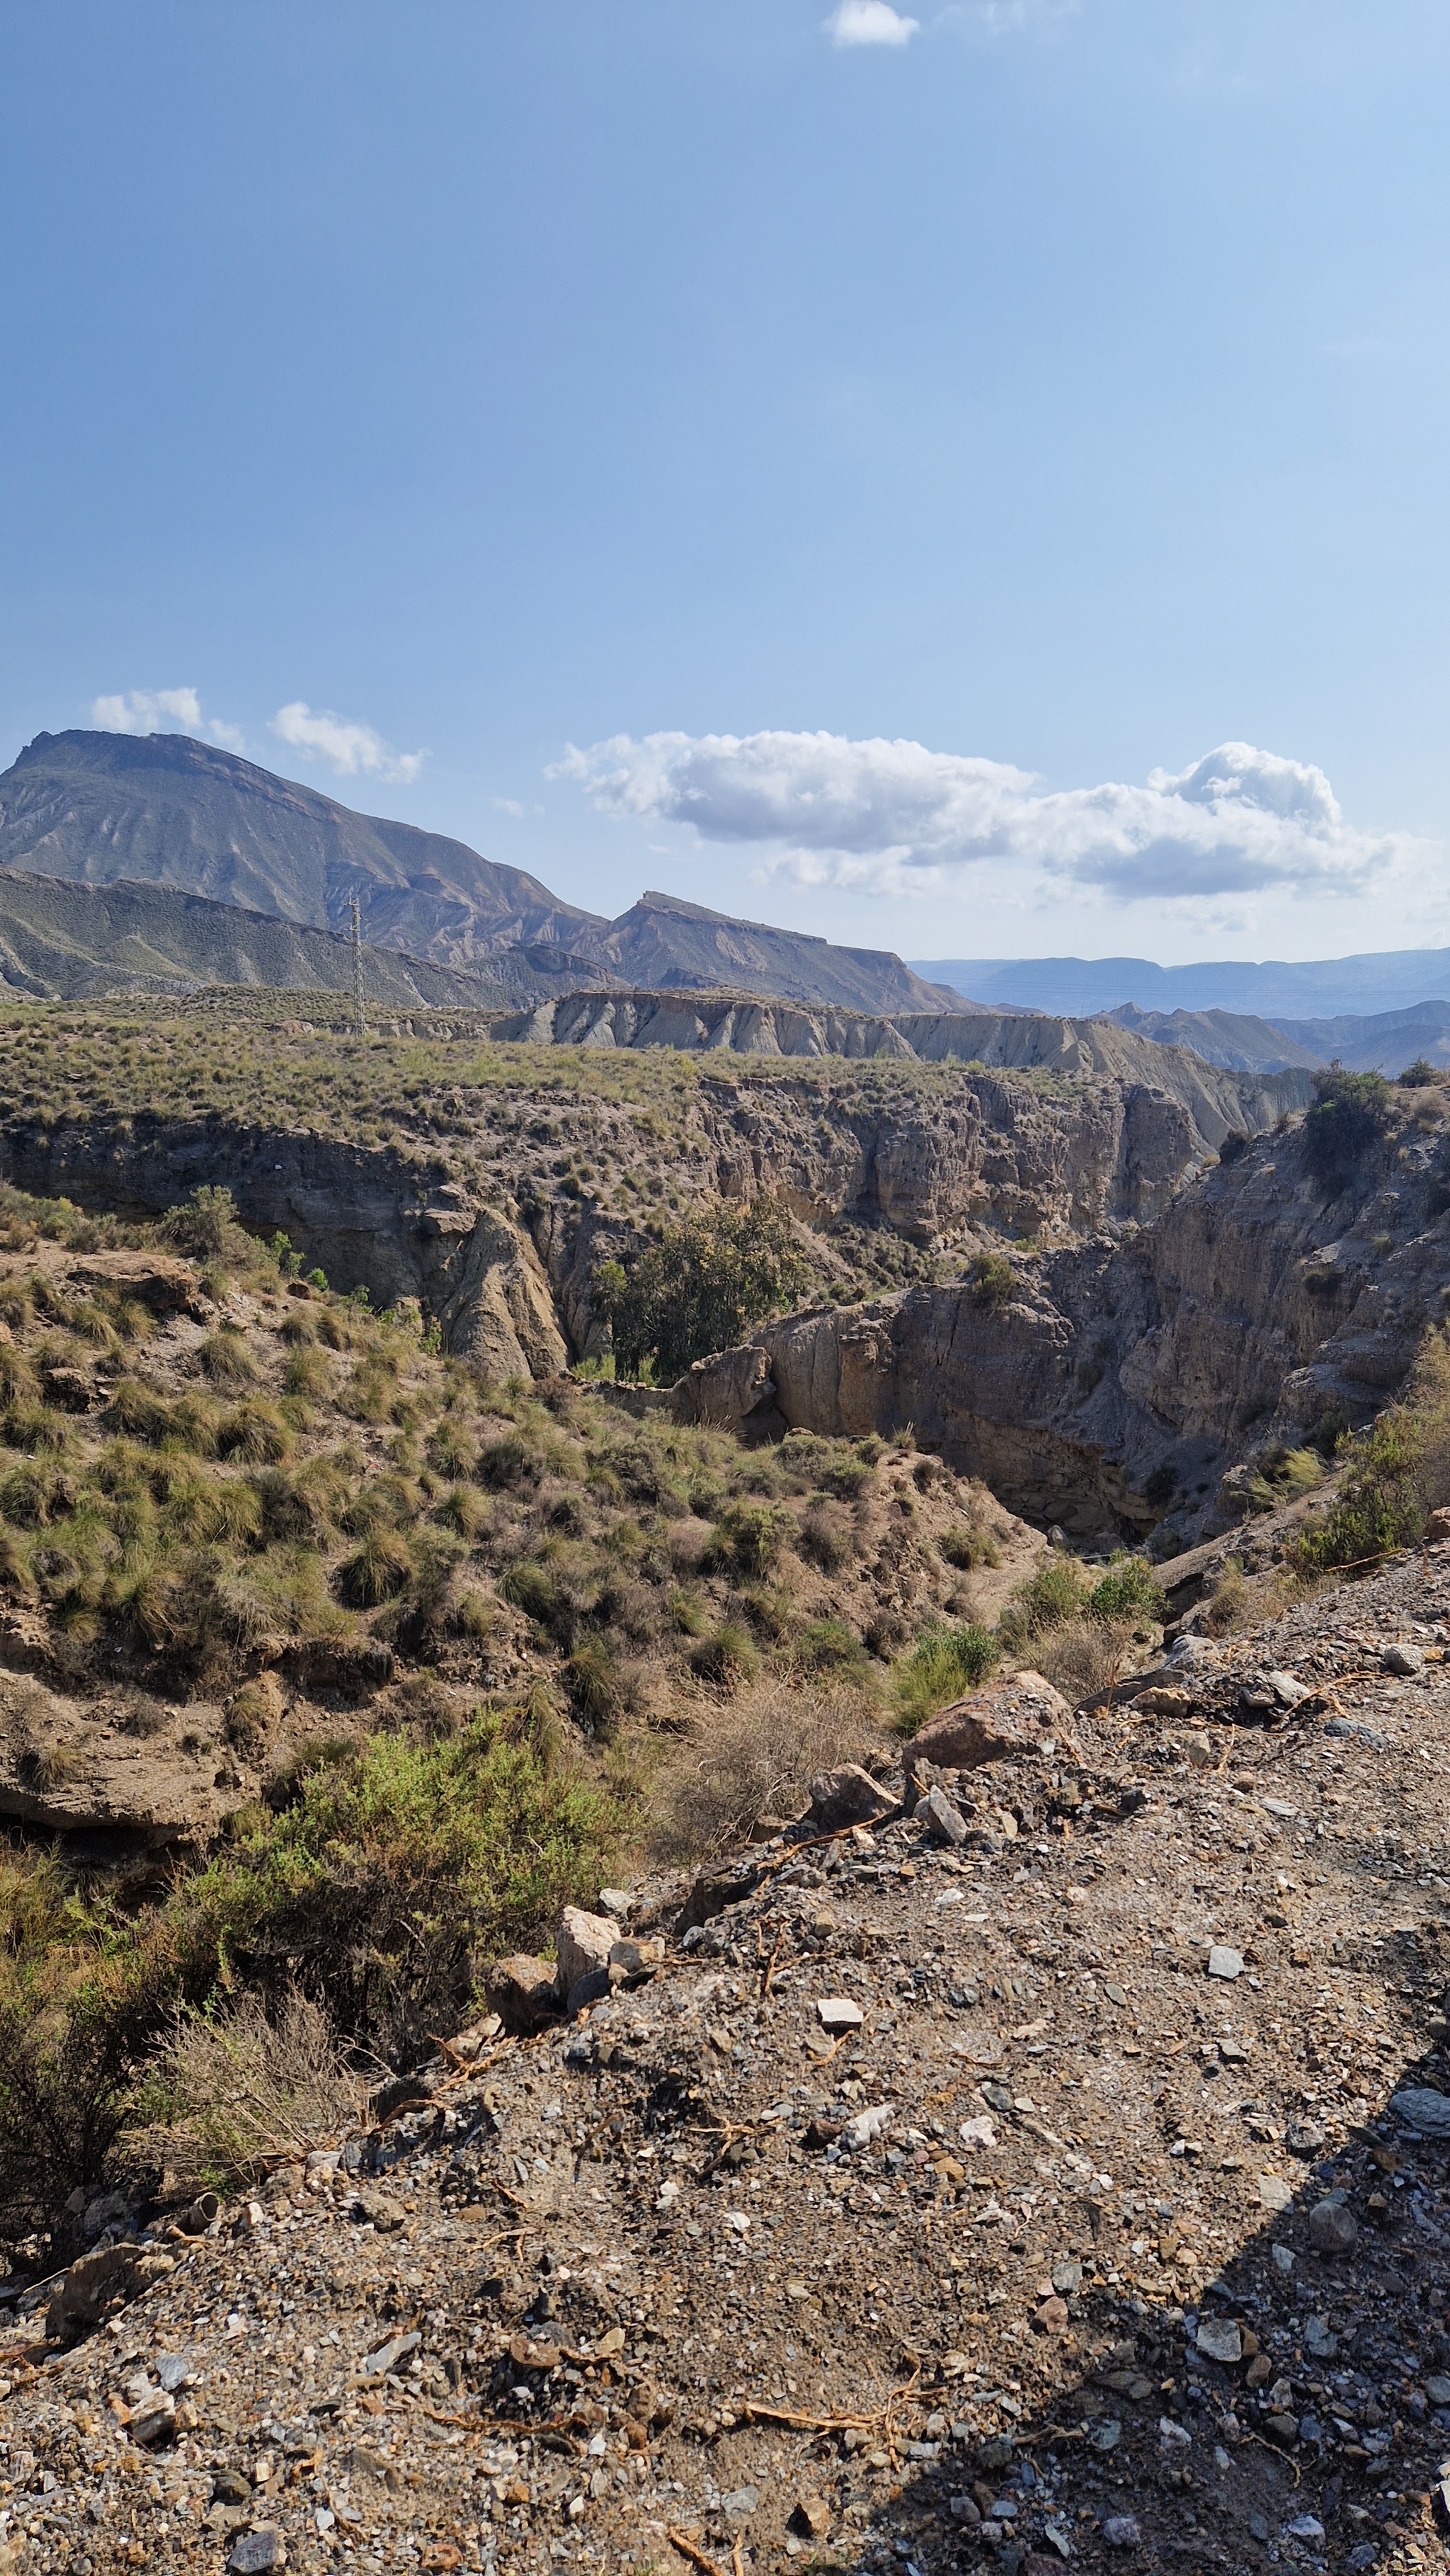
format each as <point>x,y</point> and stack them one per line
<point>699,1287</point>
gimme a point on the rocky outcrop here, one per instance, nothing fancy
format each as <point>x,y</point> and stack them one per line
<point>111,1766</point>
<point>1120,1378</point>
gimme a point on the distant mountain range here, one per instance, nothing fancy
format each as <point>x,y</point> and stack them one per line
<point>1322,990</point>
<point>162,810</point>
<point>1375,1042</point>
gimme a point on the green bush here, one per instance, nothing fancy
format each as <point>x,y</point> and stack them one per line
<point>1397,1475</point>
<point>1055,1592</point>
<point>726,1657</point>
<point>747,1540</point>
<point>1350,1113</point>
<point>1419,1075</point>
<point>700,1287</point>
<point>943,1666</point>
<point>829,1646</point>
<point>1127,1591</point>
<point>969,1548</point>
<point>994,1281</point>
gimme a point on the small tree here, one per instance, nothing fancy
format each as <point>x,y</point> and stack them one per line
<point>700,1286</point>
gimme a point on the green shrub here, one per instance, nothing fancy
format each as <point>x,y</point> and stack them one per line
<point>942,1666</point>
<point>1350,1113</point>
<point>994,1281</point>
<point>600,1688</point>
<point>726,1657</point>
<point>1284,1478</point>
<point>377,1571</point>
<point>969,1548</point>
<point>829,1646</point>
<point>747,1540</point>
<point>701,1286</point>
<point>1052,1594</point>
<point>1419,1075</point>
<point>1127,1591</point>
<point>1397,1475</point>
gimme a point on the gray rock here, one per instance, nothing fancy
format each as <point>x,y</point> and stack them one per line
<point>1224,1962</point>
<point>1319,2341</point>
<point>1409,1660</point>
<point>1437,2389</point>
<point>153,2419</point>
<point>741,2503</point>
<point>257,2552</point>
<point>1287,1690</point>
<point>1421,2108</point>
<point>942,1816</point>
<point>1331,2229</point>
<point>1120,2531</point>
<point>376,2365</point>
<point>1219,2339</point>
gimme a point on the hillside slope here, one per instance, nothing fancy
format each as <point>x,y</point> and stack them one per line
<point>60,941</point>
<point>1040,2177</point>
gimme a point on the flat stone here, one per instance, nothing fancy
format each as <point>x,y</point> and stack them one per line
<point>1120,2531</point>
<point>614,1901</point>
<point>257,2552</point>
<point>839,2012</point>
<point>1409,1660</point>
<point>1319,2341</point>
<point>941,1816</point>
<point>812,2517</point>
<point>1275,2192</point>
<point>741,2503</point>
<point>1224,1962</point>
<point>634,1959</point>
<point>384,2214</point>
<point>376,2365</point>
<point>1288,1690</point>
<point>1437,2389</point>
<point>1051,2317</point>
<point>1420,2107</point>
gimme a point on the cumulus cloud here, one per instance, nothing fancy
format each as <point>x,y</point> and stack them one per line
<point>891,815</point>
<point>869,22</point>
<point>160,711</point>
<point>352,750</point>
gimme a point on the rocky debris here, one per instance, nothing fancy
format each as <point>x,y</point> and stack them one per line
<point>352,1667</point>
<point>1060,2242</point>
<point>98,2282</point>
<point>992,1725</point>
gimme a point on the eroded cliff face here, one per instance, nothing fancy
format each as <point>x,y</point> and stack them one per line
<point>1257,1310</point>
<point>504,1256</point>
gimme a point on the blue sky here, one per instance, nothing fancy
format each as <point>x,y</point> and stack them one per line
<point>845,466</point>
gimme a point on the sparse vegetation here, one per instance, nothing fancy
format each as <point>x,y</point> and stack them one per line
<point>1397,1474</point>
<point>944,1665</point>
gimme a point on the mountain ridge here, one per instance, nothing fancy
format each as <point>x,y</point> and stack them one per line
<point>168,811</point>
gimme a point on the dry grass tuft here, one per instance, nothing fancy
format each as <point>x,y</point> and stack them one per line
<point>753,1760</point>
<point>231,2097</point>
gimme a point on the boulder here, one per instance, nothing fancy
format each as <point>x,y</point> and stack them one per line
<point>582,1943</point>
<point>724,1389</point>
<point>153,1279</point>
<point>844,1797</point>
<point>713,1890</point>
<point>1006,1717</point>
<point>522,1991</point>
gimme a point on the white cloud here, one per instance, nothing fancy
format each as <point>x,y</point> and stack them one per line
<point>350,749</point>
<point>508,805</point>
<point>162,711</point>
<point>888,816</point>
<point>869,22</point>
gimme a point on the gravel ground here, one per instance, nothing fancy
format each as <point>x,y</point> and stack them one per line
<point>1071,2250</point>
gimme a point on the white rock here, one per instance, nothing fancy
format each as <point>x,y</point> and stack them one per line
<point>582,1943</point>
<point>1224,1962</point>
<point>839,2012</point>
<point>868,2125</point>
<point>1219,2339</point>
<point>1275,2193</point>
